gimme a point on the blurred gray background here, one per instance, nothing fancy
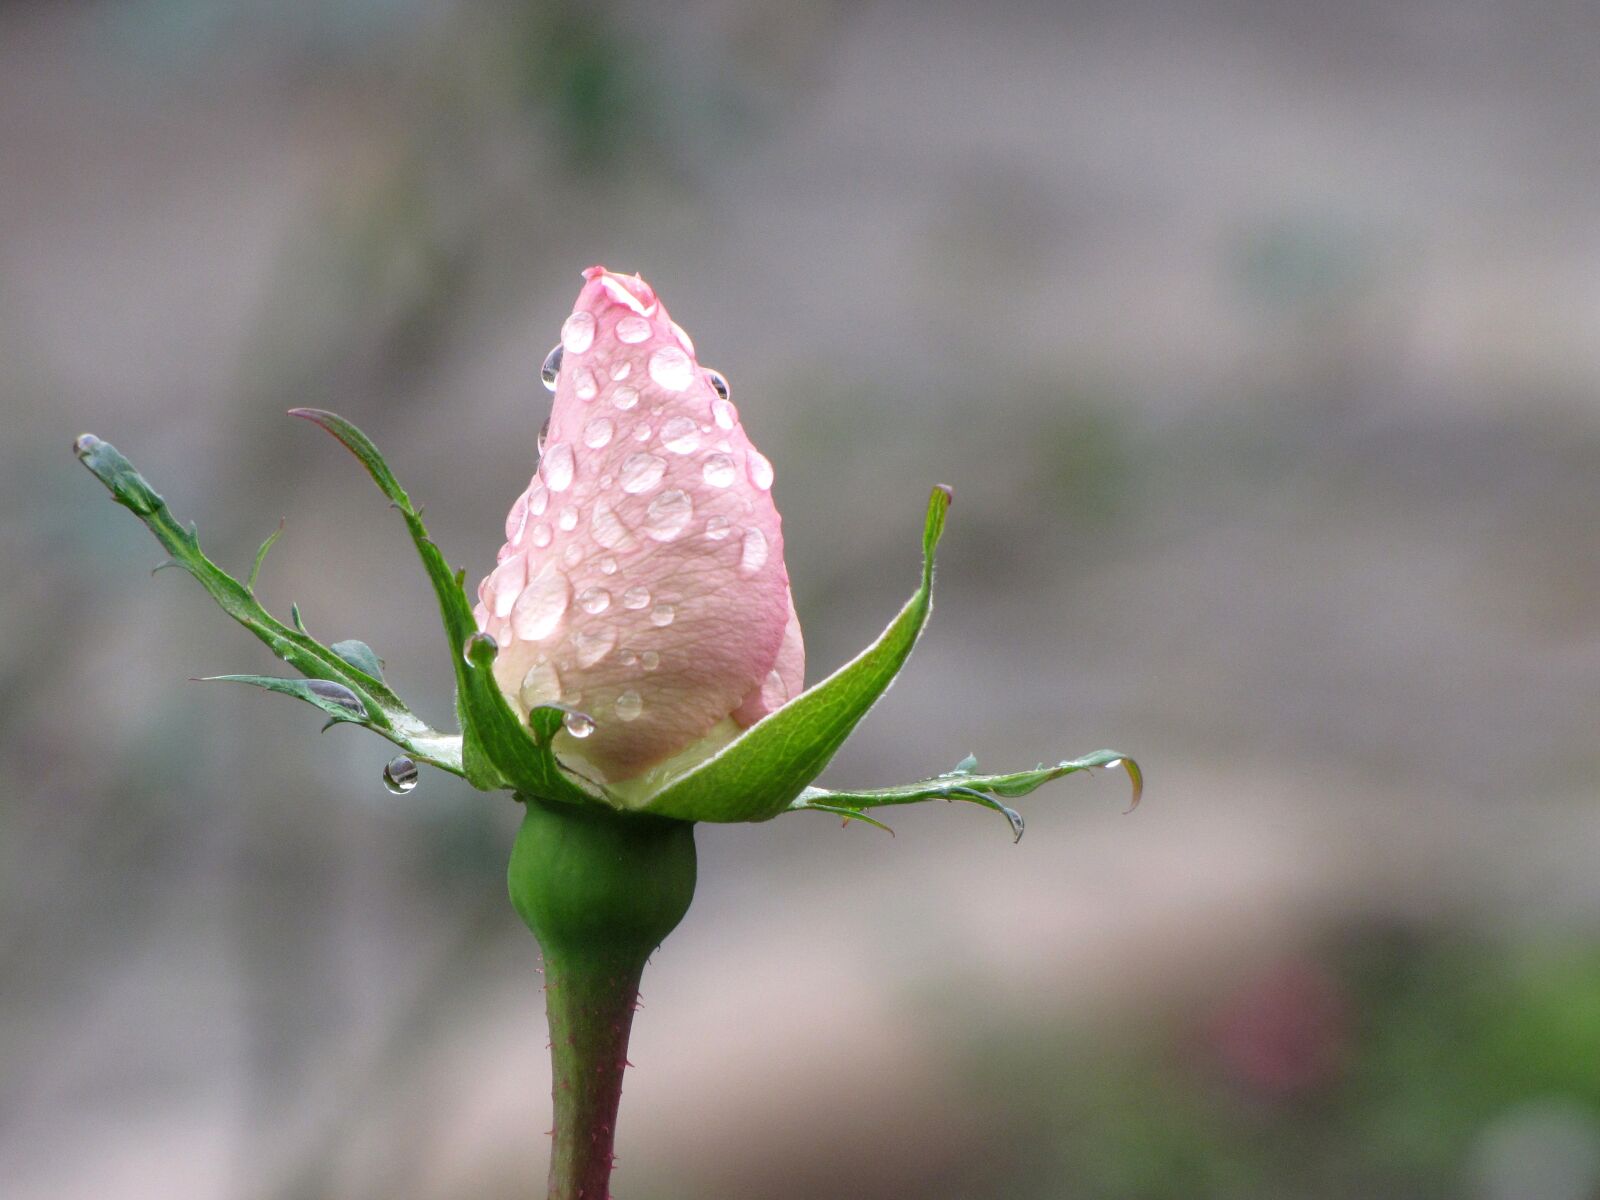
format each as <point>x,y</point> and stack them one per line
<point>1261,343</point>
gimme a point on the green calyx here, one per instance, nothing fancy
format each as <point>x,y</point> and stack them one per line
<point>765,771</point>
<point>593,881</point>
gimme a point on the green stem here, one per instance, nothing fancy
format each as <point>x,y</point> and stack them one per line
<point>600,889</point>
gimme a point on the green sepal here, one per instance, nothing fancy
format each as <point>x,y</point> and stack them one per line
<point>964,783</point>
<point>383,712</point>
<point>497,750</point>
<point>335,699</point>
<point>758,774</point>
<point>360,656</point>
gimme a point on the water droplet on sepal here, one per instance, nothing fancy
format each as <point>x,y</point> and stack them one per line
<point>400,775</point>
<point>479,643</point>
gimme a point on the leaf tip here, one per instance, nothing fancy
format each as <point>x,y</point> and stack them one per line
<point>84,445</point>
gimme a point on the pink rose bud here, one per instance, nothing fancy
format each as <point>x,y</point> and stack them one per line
<point>642,581</point>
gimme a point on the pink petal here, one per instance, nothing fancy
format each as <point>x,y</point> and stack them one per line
<point>655,596</point>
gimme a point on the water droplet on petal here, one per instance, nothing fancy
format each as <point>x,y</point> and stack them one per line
<point>541,685</point>
<point>718,528</point>
<point>551,371</point>
<point>629,705</point>
<point>577,332</point>
<point>625,397</point>
<point>608,565</point>
<point>506,584</point>
<point>627,658</point>
<point>724,414</point>
<point>544,434</point>
<point>594,600</point>
<point>650,660</point>
<point>680,436</point>
<point>594,644</point>
<point>584,385</point>
<point>641,472</point>
<point>400,775</point>
<point>719,471</point>
<point>636,597</point>
<point>754,555</point>
<point>538,497</point>
<point>633,330</point>
<point>578,724</point>
<point>760,469</point>
<point>641,433</point>
<point>568,520</point>
<point>607,528</point>
<point>662,615</point>
<point>517,518</point>
<point>620,369</point>
<point>572,554</point>
<point>683,338</point>
<point>667,515</point>
<point>671,368</point>
<point>719,383</point>
<point>541,535</point>
<point>597,433</point>
<point>557,467</point>
<point>539,609</point>
<point>474,642</point>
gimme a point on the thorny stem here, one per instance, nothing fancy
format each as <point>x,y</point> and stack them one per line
<point>600,889</point>
<point>590,1006</point>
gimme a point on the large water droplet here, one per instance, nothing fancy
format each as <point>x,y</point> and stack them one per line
<point>719,471</point>
<point>597,433</point>
<point>667,515</point>
<point>754,555</point>
<point>551,371</point>
<point>577,332</point>
<point>625,397</point>
<point>557,467</point>
<point>568,520</point>
<point>641,472</point>
<point>636,597</point>
<point>671,368</point>
<point>584,385</point>
<point>541,685</point>
<point>607,528</point>
<point>540,607</point>
<point>629,705</point>
<point>633,330</point>
<point>578,724</point>
<point>760,469</point>
<point>338,694</point>
<point>724,414</point>
<point>718,528</point>
<point>506,584</point>
<point>594,644</point>
<point>680,436</point>
<point>649,660</point>
<point>477,640</point>
<point>594,600</point>
<point>400,775</point>
<point>719,383</point>
<point>662,615</point>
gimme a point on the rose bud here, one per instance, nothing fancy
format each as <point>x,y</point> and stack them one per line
<point>642,582</point>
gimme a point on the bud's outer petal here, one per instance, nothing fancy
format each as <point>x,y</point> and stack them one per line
<point>642,579</point>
